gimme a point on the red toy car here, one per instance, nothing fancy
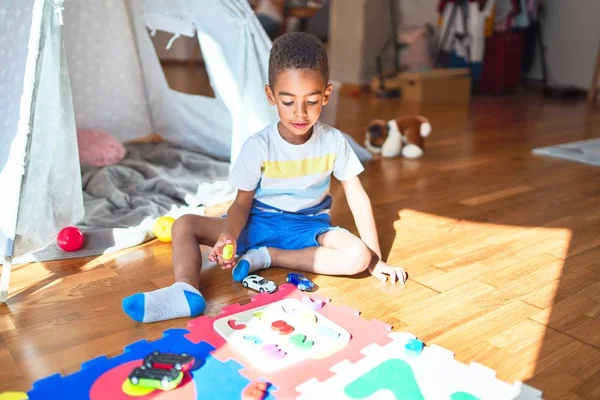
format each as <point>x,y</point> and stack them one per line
<point>181,362</point>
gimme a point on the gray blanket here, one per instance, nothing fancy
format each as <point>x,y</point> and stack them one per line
<point>123,201</point>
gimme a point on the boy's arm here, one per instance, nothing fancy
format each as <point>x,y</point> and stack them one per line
<point>237,216</point>
<point>346,169</point>
<point>244,177</point>
<point>360,206</point>
<point>347,166</point>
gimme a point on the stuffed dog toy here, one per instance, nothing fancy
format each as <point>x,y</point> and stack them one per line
<point>399,136</point>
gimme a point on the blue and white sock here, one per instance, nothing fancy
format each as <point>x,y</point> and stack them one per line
<point>176,301</point>
<point>250,262</point>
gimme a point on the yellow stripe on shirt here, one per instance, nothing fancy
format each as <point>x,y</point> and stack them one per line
<point>297,168</point>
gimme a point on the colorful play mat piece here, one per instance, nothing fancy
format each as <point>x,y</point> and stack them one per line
<point>304,347</point>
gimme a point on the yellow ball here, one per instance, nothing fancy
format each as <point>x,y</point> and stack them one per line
<point>162,228</point>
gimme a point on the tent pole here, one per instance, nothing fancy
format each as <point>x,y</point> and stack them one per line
<point>5,279</point>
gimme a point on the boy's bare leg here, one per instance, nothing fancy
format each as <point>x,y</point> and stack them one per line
<point>188,233</point>
<point>181,299</point>
<point>340,253</point>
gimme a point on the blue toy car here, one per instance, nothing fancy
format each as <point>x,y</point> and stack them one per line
<point>300,281</point>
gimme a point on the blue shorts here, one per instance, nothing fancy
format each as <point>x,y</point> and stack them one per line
<point>286,231</point>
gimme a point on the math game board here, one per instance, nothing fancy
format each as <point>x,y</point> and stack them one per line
<point>282,333</point>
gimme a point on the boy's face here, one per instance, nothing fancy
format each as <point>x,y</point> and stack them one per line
<point>299,95</point>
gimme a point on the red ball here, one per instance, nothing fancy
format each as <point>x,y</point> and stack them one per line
<point>70,239</point>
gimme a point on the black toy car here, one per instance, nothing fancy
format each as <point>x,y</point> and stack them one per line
<point>181,362</point>
<point>156,378</point>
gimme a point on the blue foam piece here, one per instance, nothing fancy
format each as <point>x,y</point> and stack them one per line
<point>213,378</point>
<point>414,347</point>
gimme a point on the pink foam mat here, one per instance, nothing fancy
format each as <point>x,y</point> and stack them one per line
<point>363,333</point>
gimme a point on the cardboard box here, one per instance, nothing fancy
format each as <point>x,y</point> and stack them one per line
<point>437,86</point>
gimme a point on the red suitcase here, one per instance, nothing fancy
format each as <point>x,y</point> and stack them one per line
<point>502,62</point>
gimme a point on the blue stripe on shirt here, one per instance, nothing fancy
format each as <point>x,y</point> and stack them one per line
<point>322,207</point>
<point>312,192</point>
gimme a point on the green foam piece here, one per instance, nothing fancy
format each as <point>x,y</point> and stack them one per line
<point>301,342</point>
<point>395,375</point>
<point>463,396</point>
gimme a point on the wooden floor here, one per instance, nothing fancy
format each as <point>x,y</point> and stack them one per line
<point>502,248</point>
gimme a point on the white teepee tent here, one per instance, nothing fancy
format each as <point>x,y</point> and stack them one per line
<point>92,64</point>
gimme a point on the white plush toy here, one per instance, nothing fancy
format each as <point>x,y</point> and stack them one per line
<point>400,136</point>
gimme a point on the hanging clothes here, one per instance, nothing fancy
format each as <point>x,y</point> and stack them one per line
<point>507,10</point>
<point>503,9</point>
<point>443,3</point>
<point>531,37</point>
<point>490,22</point>
<point>522,18</point>
<point>469,51</point>
<point>532,6</point>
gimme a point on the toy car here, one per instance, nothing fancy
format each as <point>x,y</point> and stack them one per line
<point>181,362</point>
<point>259,283</point>
<point>155,378</point>
<point>300,281</point>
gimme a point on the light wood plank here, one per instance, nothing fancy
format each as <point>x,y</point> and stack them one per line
<point>557,383</point>
<point>485,326</point>
<point>589,388</point>
<point>494,196</point>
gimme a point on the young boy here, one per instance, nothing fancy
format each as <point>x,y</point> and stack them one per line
<point>280,215</point>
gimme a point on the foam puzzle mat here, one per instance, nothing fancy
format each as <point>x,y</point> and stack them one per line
<point>300,344</point>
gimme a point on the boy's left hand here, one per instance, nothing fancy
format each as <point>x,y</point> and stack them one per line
<point>220,251</point>
<point>382,271</point>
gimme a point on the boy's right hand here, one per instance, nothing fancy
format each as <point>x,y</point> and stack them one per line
<point>216,255</point>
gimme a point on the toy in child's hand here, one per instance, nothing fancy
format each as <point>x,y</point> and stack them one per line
<point>70,239</point>
<point>156,378</point>
<point>228,252</point>
<point>399,136</point>
<point>259,283</point>
<point>300,281</point>
<point>13,396</point>
<point>181,362</point>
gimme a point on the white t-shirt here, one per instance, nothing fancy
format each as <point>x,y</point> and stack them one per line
<point>294,178</point>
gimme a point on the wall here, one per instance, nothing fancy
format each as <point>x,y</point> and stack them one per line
<point>571,31</point>
<point>359,28</point>
<point>414,13</point>
<point>346,38</point>
<point>357,31</point>
<point>378,31</point>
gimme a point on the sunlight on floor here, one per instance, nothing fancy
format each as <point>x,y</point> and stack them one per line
<point>51,284</point>
<point>25,276</point>
<point>495,285</point>
<point>423,236</point>
<point>90,265</point>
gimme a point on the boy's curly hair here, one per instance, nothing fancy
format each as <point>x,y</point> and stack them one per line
<point>297,50</point>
